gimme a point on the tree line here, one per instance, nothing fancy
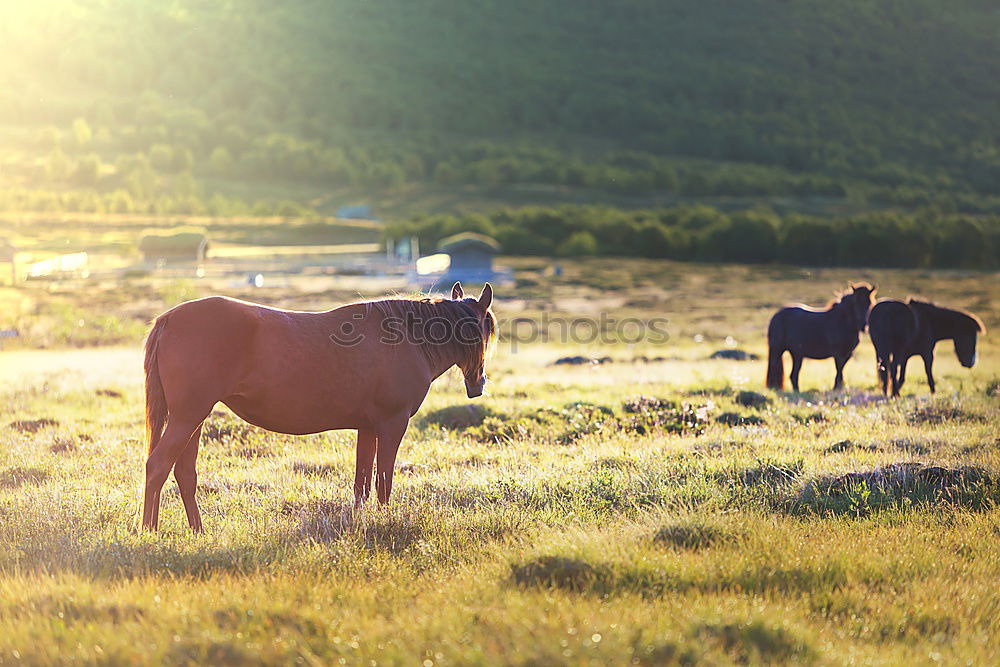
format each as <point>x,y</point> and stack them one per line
<point>923,239</point>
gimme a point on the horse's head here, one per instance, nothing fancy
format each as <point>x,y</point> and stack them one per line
<point>862,296</point>
<point>476,338</point>
<point>965,340</point>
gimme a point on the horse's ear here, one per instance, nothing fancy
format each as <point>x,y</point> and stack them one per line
<point>456,292</point>
<point>851,285</point>
<point>486,298</point>
<point>874,289</point>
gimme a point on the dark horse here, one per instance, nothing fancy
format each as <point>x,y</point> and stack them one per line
<point>815,333</point>
<point>902,330</point>
<point>364,366</point>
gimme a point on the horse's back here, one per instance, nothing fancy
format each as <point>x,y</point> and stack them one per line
<point>794,321</point>
<point>891,325</point>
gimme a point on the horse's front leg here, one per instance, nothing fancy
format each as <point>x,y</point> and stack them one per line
<point>389,433</point>
<point>899,378</point>
<point>928,362</point>
<point>363,466</point>
<point>796,367</point>
<point>838,382</point>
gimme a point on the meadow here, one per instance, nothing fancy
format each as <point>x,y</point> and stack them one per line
<point>655,507</point>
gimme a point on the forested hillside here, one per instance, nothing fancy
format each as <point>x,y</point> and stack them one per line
<point>159,105</point>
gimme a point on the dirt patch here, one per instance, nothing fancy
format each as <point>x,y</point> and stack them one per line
<point>33,425</point>
<point>13,478</point>
<point>109,393</point>
<point>63,446</point>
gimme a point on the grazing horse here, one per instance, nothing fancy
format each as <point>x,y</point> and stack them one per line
<point>816,333</point>
<point>902,330</point>
<point>365,366</point>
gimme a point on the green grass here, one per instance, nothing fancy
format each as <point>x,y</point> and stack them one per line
<point>538,525</point>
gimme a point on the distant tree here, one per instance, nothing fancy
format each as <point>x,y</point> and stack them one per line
<point>120,201</point>
<point>221,161</point>
<point>161,157</point>
<point>745,237</point>
<point>579,244</point>
<point>49,138</point>
<point>57,166</point>
<point>183,159</point>
<point>82,133</point>
<point>88,169</point>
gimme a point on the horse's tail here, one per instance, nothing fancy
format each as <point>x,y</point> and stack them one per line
<point>156,402</point>
<point>775,352</point>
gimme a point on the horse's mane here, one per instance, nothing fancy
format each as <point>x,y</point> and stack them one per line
<point>453,314</point>
<point>965,316</point>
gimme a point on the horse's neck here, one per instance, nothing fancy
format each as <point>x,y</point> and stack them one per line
<point>439,363</point>
<point>845,310</point>
<point>939,322</point>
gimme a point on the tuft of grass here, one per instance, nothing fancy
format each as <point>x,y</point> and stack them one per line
<point>900,486</point>
<point>940,413</point>
<point>570,574</point>
<point>696,534</point>
<point>457,417</point>
<point>756,642</point>
<point>752,399</point>
<point>736,419</point>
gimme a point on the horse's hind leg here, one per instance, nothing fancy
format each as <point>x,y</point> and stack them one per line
<point>170,447</point>
<point>883,366</point>
<point>796,367</point>
<point>186,475</point>
<point>838,382</point>
<point>363,465</point>
<point>389,432</point>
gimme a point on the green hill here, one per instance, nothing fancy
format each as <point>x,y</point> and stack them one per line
<point>129,104</point>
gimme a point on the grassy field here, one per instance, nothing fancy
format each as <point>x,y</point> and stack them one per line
<point>657,508</point>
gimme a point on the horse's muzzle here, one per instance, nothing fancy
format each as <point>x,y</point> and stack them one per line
<point>475,389</point>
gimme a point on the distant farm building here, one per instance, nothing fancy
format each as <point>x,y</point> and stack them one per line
<point>185,244</point>
<point>466,257</point>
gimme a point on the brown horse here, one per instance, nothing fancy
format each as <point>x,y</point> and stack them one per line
<point>365,366</point>
<point>902,330</point>
<point>816,333</point>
